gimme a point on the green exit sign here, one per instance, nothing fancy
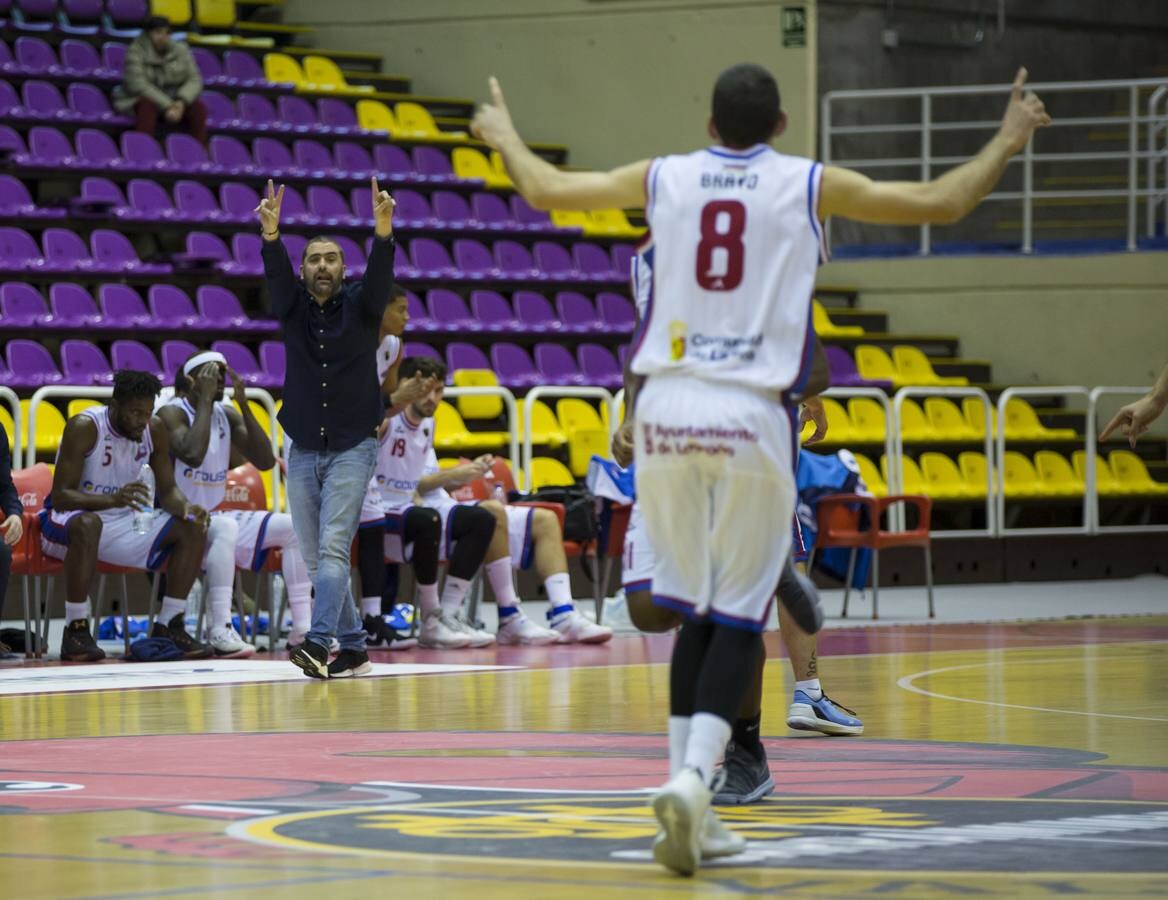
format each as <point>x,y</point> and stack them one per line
<point>794,26</point>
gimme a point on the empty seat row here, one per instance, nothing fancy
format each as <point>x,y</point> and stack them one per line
<point>116,18</point>
<point>907,366</point>
<point>529,312</point>
<point>41,101</point>
<point>64,252</point>
<point>553,364</point>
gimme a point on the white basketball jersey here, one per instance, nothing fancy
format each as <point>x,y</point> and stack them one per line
<point>114,460</point>
<point>388,352</point>
<point>401,459</point>
<point>205,485</point>
<point>731,267</point>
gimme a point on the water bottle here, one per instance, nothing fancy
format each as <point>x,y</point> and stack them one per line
<point>500,494</point>
<point>144,515</point>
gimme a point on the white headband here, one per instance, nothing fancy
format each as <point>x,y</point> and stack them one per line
<point>205,357</point>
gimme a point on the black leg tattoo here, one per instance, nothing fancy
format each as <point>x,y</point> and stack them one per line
<point>812,667</point>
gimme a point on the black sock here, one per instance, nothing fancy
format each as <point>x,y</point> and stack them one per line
<point>746,734</point>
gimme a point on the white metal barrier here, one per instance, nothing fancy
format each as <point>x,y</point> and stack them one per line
<point>1157,153</point>
<point>9,396</point>
<point>1092,455</point>
<point>512,415</point>
<point>896,462</point>
<point>546,390</point>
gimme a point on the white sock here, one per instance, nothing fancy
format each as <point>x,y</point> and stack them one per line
<point>171,607</point>
<point>75,611</point>
<point>708,735</point>
<point>300,605</point>
<point>559,590</point>
<point>811,688</point>
<point>220,598</point>
<point>371,606</point>
<point>678,738</point>
<point>428,597</point>
<point>499,576</point>
<point>453,593</point>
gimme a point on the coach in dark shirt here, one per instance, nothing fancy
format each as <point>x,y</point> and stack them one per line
<point>332,408</point>
<point>11,524</point>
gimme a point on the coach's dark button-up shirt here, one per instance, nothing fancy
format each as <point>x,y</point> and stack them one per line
<point>332,398</point>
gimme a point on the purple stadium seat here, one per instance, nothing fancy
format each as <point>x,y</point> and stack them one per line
<point>260,115</point>
<point>90,104</point>
<point>171,308</point>
<point>419,318</point>
<point>22,306</point>
<point>474,260</point>
<point>221,112</point>
<point>150,202</point>
<point>65,252</point>
<point>113,252</point>
<point>431,259</point>
<point>529,217</point>
<point>514,260</point>
<point>273,362</point>
<point>451,209</point>
<point>493,312</point>
<point>220,309</point>
<point>196,203</point>
<point>844,372</point>
<point>315,158</point>
<point>31,365</point>
<point>34,56</point>
<point>622,355</point>
<point>232,156</point>
<point>599,366</point>
<point>73,307</point>
<point>576,313</point>
<point>7,64</point>
<point>126,16</point>
<point>15,200</point>
<point>534,312</point>
<point>12,146</point>
<point>274,157</point>
<point>412,209</point>
<point>414,348</point>
<point>80,17</point>
<point>122,307</point>
<point>338,116</point>
<point>189,155</point>
<point>295,244</point>
<point>616,312</point>
<point>460,355</point>
<point>113,56</point>
<point>34,15</point>
<point>622,260</point>
<point>448,311</point>
<point>394,161</point>
<point>42,100</point>
<point>140,152</point>
<point>556,365</point>
<point>433,164</point>
<point>174,354</point>
<point>82,363</point>
<point>294,211</point>
<point>513,367</point>
<point>490,211</point>
<point>10,101</point>
<point>238,202</point>
<point>554,261</point>
<point>98,150</point>
<point>18,251</point>
<point>245,253</point>
<point>101,195</point>
<point>593,263</point>
<point>208,65</point>
<point>354,160</point>
<point>136,356</point>
<point>243,69</point>
<point>330,207</point>
<point>81,60</point>
<point>300,114</point>
<point>354,256</point>
<point>243,361</point>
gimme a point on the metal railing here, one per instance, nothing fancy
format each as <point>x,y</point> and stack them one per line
<point>1092,454</point>
<point>8,396</point>
<point>934,103</point>
<point>512,415</point>
<point>586,393</point>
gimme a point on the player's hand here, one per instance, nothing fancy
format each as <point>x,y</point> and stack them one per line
<point>492,121</point>
<point>206,386</point>
<point>413,388</point>
<point>1024,113</point>
<point>622,445</point>
<point>196,514</point>
<point>269,212</point>
<point>383,205</point>
<point>13,528</point>
<point>239,385</point>
<point>484,463</point>
<point>814,412</point>
<point>134,494</point>
<point>1134,419</point>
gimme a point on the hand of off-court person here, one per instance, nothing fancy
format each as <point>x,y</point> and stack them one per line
<point>134,494</point>
<point>1024,113</point>
<point>1134,419</point>
<point>622,445</point>
<point>269,211</point>
<point>414,388</point>
<point>13,528</point>
<point>814,412</point>
<point>383,205</point>
<point>492,121</point>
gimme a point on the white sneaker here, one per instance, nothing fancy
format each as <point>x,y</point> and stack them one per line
<point>681,807</point>
<point>478,638</point>
<point>228,644</point>
<point>717,840</point>
<point>518,629</point>
<point>439,632</point>
<point>576,628</point>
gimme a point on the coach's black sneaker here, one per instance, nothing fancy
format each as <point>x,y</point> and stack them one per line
<point>799,595</point>
<point>380,634</point>
<point>191,649</point>
<point>747,777</point>
<point>349,663</point>
<point>78,645</point>
<point>311,658</point>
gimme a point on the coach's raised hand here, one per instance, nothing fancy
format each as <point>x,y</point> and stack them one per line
<point>269,212</point>
<point>383,205</point>
<point>492,121</point>
<point>1024,114</point>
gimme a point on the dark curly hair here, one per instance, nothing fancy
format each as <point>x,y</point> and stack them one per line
<point>130,385</point>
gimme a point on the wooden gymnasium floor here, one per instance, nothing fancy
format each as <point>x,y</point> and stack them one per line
<point>998,760</point>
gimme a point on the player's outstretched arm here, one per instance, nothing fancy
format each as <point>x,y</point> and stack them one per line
<point>943,200</point>
<point>1135,418</point>
<point>542,184</point>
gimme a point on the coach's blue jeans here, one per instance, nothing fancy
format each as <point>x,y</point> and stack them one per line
<point>325,490</point>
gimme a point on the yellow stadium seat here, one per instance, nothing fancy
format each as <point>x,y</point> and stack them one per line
<point>327,76</point>
<point>373,115</point>
<point>50,425</point>
<point>911,479</point>
<point>1105,482</point>
<point>417,123</point>
<point>913,424</point>
<point>947,421</point>
<point>177,11</point>
<point>10,430</point>
<point>974,411</point>
<point>914,368</point>
<point>620,414</point>
<point>476,408</point>
<point>873,480</point>
<point>281,67</point>
<point>1022,479</point>
<point>570,218</point>
<point>1022,423</point>
<point>1132,475</point>
<point>876,365</point>
<point>215,13</point>
<point>1056,473</point>
<point>548,472</point>
<point>469,163</point>
<point>867,418</point>
<point>448,462</point>
<point>839,426</point>
<point>500,168</point>
<point>80,404</point>
<point>825,327</point>
<point>973,471</point>
<point>545,430</point>
<point>944,478</point>
<point>612,223</point>
<point>451,433</point>
<point>586,433</point>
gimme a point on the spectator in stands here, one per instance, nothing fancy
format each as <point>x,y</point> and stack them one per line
<point>160,77</point>
<point>1137,417</point>
<point>12,527</point>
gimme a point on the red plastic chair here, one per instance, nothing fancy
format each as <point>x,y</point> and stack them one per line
<point>841,524</point>
<point>28,559</point>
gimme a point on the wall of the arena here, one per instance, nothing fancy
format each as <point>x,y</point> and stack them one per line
<point>615,80</point>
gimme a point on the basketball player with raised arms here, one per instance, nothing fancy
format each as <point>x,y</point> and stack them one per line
<point>726,345</point>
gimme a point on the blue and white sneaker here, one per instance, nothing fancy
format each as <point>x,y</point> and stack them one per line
<point>822,715</point>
